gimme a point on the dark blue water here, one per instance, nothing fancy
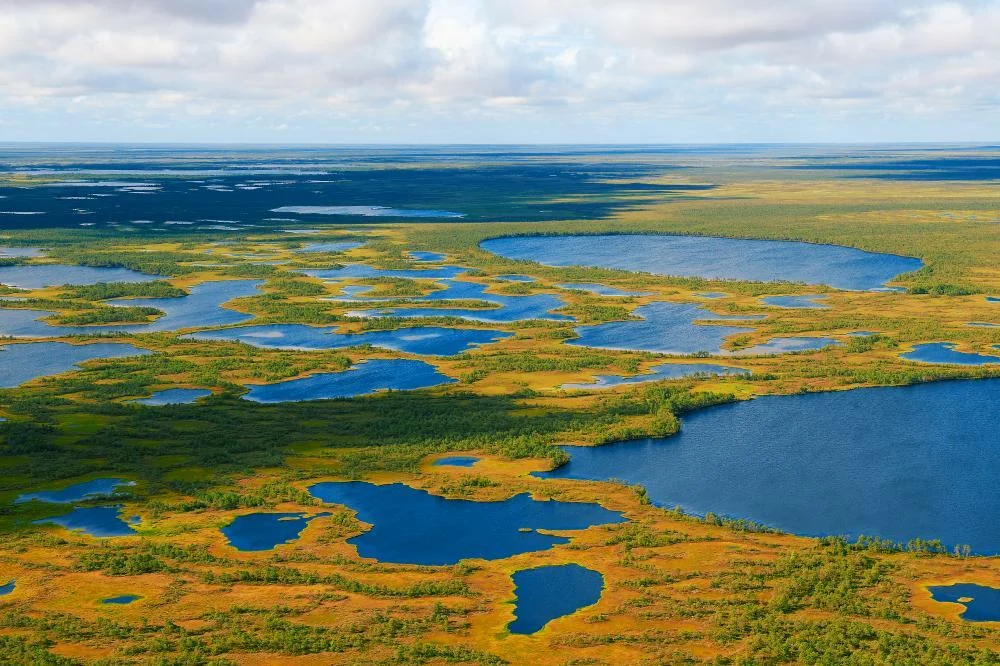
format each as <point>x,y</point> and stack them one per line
<point>20,363</point>
<point>425,340</point>
<point>123,600</point>
<point>660,373</point>
<point>712,258</point>
<point>944,352</point>
<point>667,328</point>
<point>898,463</point>
<point>506,308</point>
<point>332,246</point>
<point>549,592</point>
<point>8,588</point>
<point>367,211</point>
<point>203,307</point>
<point>983,607</point>
<point>54,275</point>
<point>78,491</point>
<point>993,299</point>
<point>366,377</point>
<point>411,526</point>
<point>456,461</point>
<point>427,256</point>
<point>178,396</point>
<point>264,531</point>
<point>795,301</point>
<point>97,521</point>
<point>600,289</point>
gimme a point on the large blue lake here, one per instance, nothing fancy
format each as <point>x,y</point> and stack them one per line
<point>424,340</point>
<point>20,363</point>
<point>55,275</point>
<point>898,463</point>
<point>945,352</point>
<point>411,526</point>
<point>546,593</point>
<point>264,531</point>
<point>712,258</point>
<point>366,377</point>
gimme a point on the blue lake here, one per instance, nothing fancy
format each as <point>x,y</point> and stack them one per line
<point>179,396</point>
<point>333,246</point>
<point>712,258</point>
<point>516,278</point>
<point>549,592</point>
<point>664,327</point>
<point>420,340</point>
<point>264,531</point>
<point>364,378</point>
<point>77,492</point>
<point>368,211</point>
<point>600,289</point>
<point>711,294</point>
<point>20,363</point>
<point>411,526</point>
<point>456,461</point>
<point>55,275</point>
<point>982,603</point>
<point>8,588</point>
<point>97,521</point>
<point>944,352</point>
<point>122,600</point>
<point>202,307</point>
<point>507,308</point>
<point>787,345</point>
<point>993,299</point>
<point>660,373</point>
<point>897,463</point>
<point>427,256</point>
<point>795,302</point>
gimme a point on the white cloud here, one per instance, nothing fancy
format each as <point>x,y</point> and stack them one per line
<point>316,64</point>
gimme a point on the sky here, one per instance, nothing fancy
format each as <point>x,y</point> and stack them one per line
<point>499,71</point>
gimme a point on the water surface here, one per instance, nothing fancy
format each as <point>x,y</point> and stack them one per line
<point>332,246</point>
<point>97,521</point>
<point>795,302</point>
<point>366,211</point>
<point>712,258</point>
<point>77,492</point>
<point>424,340</point>
<point>177,396</point>
<point>427,256</point>
<point>55,275</point>
<point>7,588</point>
<point>982,603</point>
<point>600,289</point>
<point>364,378</point>
<point>411,526</point>
<point>122,600</point>
<point>659,373</point>
<point>549,592</point>
<point>897,463</point>
<point>20,363</point>
<point>944,352</point>
<point>456,461</point>
<point>264,531</point>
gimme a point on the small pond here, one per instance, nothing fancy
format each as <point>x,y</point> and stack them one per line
<point>456,461</point>
<point>427,256</point>
<point>364,378</point>
<point>177,396</point>
<point>944,352</point>
<point>122,600</point>
<point>95,488</point>
<point>264,531</point>
<point>796,302</point>
<point>600,289</point>
<point>549,592</point>
<point>982,603</point>
<point>7,588</point>
<point>97,521</point>
<point>332,246</point>
<point>660,373</point>
<point>411,526</point>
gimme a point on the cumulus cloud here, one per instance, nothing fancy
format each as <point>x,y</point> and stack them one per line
<point>413,63</point>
